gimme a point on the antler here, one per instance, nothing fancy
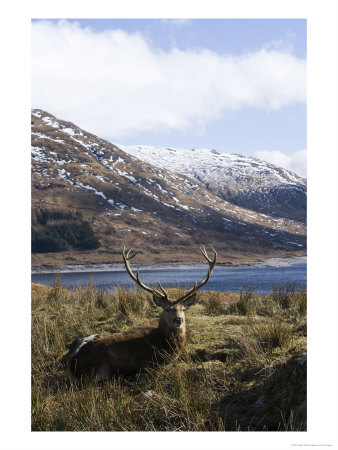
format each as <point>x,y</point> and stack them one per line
<point>162,295</point>
<point>196,286</point>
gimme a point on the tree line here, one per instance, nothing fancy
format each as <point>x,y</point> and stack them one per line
<point>56,231</point>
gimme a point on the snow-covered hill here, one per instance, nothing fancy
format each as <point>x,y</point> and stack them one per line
<point>247,182</point>
<point>131,202</point>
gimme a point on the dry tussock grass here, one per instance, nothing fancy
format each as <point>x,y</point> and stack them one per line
<point>240,369</point>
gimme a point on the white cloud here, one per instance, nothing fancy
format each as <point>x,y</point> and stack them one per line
<point>296,162</point>
<point>114,84</point>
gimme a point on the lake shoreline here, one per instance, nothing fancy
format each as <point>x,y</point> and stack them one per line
<point>119,267</point>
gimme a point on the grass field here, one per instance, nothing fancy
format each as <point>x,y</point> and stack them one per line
<point>243,368</point>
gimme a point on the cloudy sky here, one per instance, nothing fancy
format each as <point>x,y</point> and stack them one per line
<point>233,85</point>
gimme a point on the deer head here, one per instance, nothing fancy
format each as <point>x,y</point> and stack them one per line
<point>173,317</point>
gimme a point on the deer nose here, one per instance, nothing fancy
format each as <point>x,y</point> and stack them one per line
<point>178,320</point>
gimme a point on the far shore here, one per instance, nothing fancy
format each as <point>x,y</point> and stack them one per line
<point>118,267</point>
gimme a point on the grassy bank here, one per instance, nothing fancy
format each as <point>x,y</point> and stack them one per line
<point>107,254</point>
<point>242,369</point>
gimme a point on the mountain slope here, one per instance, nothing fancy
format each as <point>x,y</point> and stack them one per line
<point>130,202</point>
<point>243,181</point>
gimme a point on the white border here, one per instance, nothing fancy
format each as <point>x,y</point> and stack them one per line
<point>322,267</point>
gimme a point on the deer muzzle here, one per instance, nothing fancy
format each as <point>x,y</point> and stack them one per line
<point>178,321</point>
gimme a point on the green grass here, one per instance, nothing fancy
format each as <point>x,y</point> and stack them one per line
<point>239,371</point>
<point>283,301</point>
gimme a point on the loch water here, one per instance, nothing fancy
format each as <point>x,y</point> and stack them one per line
<point>231,279</point>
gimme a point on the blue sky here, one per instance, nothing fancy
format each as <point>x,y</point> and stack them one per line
<point>233,85</point>
<point>233,36</point>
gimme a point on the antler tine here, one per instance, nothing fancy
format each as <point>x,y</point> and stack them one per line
<point>204,253</point>
<point>128,253</point>
<point>160,286</point>
<point>126,259</point>
<point>186,294</point>
<point>196,286</point>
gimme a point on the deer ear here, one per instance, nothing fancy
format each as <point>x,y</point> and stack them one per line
<point>189,301</point>
<point>159,301</point>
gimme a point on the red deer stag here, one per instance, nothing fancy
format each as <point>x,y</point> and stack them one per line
<point>129,352</point>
